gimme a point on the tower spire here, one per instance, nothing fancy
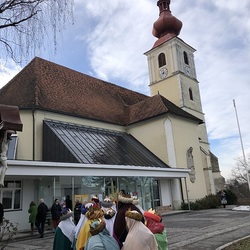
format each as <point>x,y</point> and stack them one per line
<point>167,25</point>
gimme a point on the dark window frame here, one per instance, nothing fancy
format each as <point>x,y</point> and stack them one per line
<point>11,195</point>
<point>162,60</point>
<point>191,96</point>
<point>185,56</point>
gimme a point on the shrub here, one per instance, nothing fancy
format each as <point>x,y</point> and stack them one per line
<point>209,201</point>
<point>7,233</point>
<point>231,197</point>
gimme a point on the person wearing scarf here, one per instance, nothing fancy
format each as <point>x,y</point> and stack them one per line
<point>65,232</point>
<point>94,213</point>
<point>155,225</point>
<point>139,236</point>
<point>125,202</point>
<point>109,209</point>
<point>100,238</point>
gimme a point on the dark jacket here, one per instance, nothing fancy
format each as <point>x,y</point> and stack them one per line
<point>68,202</point>
<point>56,211</point>
<point>77,211</point>
<point>1,212</point>
<point>42,211</point>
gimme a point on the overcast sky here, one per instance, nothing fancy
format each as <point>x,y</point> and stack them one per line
<point>109,38</point>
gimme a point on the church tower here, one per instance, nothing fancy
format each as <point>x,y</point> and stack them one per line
<point>171,67</point>
<point>172,74</point>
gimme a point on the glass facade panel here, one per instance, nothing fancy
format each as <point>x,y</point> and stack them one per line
<point>84,187</point>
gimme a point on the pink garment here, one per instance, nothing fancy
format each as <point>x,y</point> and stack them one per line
<point>139,236</point>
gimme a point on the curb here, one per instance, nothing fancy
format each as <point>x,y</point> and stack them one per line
<point>230,243</point>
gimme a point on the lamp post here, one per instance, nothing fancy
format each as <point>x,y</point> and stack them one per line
<point>244,157</point>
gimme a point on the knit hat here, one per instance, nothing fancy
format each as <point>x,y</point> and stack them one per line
<point>133,215</point>
<point>151,214</point>
<point>66,213</point>
<point>97,226</point>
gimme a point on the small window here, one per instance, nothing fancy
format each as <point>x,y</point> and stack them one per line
<point>11,153</point>
<point>191,94</point>
<point>161,60</point>
<point>10,195</point>
<point>185,58</point>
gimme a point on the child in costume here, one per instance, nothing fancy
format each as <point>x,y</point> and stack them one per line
<point>154,223</point>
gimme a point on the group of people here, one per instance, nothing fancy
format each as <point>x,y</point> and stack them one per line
<point>110,225</point>
<point>101,224</point>
<point>38,214</point>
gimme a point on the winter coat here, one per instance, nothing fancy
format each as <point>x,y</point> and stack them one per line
<point>56,211</point>
<point>33,212</point>
<point>42,211</point>
<point>77,211</point>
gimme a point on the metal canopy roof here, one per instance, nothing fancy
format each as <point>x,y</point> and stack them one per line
<point>66,142</point>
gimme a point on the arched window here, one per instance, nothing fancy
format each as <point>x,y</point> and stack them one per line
<point>161,60</point>
<point>185,57</point>
<point>190,94</point>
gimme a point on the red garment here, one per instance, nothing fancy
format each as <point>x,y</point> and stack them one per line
<point>154,226</point>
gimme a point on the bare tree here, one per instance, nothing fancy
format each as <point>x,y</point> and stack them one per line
<point>239,172</point>
<point>24,24</point>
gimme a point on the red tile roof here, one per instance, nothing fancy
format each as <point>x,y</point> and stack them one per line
<point>48,86</point>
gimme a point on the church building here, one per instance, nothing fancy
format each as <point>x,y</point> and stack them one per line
<point>82,136</point>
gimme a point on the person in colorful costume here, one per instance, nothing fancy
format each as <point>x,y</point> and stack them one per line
<point>109,209</point>
<point>83,218</point>
<point>65,232</point>
<point>139,236</point>
<point>125,203</point>
<point>154,223</point>
<point>100,238</point>
<point>94,213</point>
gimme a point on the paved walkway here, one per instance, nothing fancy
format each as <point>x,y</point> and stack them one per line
<point>205,229</point>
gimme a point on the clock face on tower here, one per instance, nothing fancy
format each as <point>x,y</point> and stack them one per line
<point>163,72</point>
<point>187,70</point>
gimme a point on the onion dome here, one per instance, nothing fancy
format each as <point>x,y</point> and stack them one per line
<point>167,26</point>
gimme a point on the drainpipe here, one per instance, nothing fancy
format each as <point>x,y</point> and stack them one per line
<point>187,194</point>
<point>33,130</point>
<point>182,195</point>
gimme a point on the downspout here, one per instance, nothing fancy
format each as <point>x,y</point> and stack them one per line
<point>182,195</point>
<point>187,194</point>
<point>33,130</point>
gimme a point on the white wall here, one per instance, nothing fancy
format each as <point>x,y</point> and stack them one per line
<point>22,216</point>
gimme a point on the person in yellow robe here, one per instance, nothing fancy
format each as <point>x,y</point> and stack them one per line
<point>94,213</point>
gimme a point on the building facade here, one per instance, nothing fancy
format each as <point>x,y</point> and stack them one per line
<point>83,136</point>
